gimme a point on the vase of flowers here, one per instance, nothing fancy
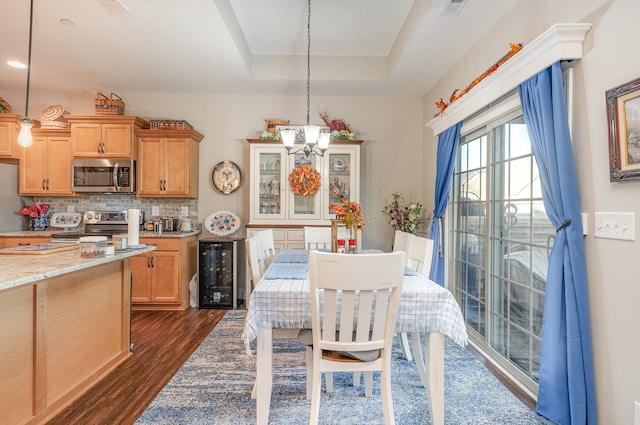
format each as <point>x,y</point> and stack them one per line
<point>405,216</point>
<point>38,215</point>
<point>350,212</point>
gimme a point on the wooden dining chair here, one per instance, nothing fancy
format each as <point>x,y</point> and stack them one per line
<point>354,304</point>
<point>317,237</point>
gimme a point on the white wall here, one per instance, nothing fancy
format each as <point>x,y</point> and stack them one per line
<point>610,60</point>
<point>391,128</point>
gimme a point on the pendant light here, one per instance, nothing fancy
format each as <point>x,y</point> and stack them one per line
<point>24,138</point>
<point>316,138</point>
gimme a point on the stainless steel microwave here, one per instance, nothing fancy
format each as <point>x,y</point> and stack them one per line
<point>103,175</point>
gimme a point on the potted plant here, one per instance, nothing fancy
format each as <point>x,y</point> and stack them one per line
<point>38,215</point>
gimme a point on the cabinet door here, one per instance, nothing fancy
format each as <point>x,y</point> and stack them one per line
<point>341,168</point>
<point>141,278</point>
<point>268,180</point>
<point>86,139</point>
<point>58,166</point>
<point>33,164</point>
<point>150,174</point>
<point>304,207</point>
<point>176,167</point>
<point>8,139</point>
<point>166,281</point>
<point>117,140</point>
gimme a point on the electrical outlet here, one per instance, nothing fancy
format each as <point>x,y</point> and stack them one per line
<point>615,225</point>
<point>184,211</point>
<point>636,413</point>
<point>71,208</point>
<point>155,211</point>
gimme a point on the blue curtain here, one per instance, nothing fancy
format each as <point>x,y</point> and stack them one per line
<point>565,389</point>
<point>445,161</point>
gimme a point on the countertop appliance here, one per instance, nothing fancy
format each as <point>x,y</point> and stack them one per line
<point>99,223</point>
<point>103,175</point>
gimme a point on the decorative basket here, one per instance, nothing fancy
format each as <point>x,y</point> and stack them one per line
<point>112,105</point>
<point>271,125</point>
<point>169,125</point>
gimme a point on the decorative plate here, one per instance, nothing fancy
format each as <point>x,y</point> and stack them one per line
<point>65,220</point>
<point>338,164</point>
<point>226,177</point>
<point>222,223</point>
<point>273,164</point>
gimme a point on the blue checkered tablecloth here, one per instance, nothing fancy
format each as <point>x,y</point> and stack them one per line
<point>284,303</point>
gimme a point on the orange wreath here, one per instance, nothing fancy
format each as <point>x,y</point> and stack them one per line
<point>304,180</point>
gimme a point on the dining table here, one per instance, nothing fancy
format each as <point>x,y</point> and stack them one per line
<point>280,303</point>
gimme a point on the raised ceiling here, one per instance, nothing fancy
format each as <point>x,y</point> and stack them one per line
<point>358,47</point>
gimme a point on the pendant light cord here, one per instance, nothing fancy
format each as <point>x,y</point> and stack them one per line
<point>26,112</point>
<point>308,56</point>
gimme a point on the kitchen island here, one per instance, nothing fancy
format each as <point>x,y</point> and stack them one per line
<point>64,324</point>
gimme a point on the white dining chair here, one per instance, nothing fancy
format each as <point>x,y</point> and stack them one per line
<point>266,246</point>
<point>354,304</point>
<point>254,260</point>
<point>317,237</point>
<point>400,240</point>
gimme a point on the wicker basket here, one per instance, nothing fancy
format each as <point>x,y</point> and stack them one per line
<point>112,105</point>
<point>271,125</point>
<point>169,125</point>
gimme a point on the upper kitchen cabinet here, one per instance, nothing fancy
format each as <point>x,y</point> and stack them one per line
<point>9,129</point>
<point>45,166</point>
<point>167,163</point>
<point>104,136</point>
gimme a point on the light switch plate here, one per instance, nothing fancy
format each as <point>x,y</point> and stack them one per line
<point>71,208</point>
<point>184,211</point>
<point>615,225</point>
<point>155,210</point>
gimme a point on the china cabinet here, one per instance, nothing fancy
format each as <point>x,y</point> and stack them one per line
<point>9,130</point>
<point>45,166</point>
<point>104,136</point>
<point>167,163</point>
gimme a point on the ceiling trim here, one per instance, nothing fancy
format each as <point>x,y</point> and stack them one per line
<point>560,42</point>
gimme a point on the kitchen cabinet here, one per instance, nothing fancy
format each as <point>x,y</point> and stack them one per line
<point>160,279</point>
<point>104,136</point>
<point>13,241</point>
<point>9,130</point>
<point>45,166</point>
<point>168,162</point>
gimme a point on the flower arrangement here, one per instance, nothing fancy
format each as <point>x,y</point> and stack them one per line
<point>404,216</point>
<point>339,129</point>
<point>37,214</point>
<point>350,212</point>
<point>304,180</point>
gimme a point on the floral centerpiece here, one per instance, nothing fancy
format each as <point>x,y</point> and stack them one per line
<point>350,212</point>
<point>404,216</point>
<point>38,215</point>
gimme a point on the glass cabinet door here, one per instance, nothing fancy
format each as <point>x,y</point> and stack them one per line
<point>270,170</point>
<point>341,172</point>
<point>304,207</point>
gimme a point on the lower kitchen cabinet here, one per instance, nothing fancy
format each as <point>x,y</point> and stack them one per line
<point>160,279</point>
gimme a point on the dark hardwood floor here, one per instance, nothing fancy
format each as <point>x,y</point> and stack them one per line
<point>163,341</point>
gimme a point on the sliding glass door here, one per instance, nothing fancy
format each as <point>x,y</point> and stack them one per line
<point>501,240</point>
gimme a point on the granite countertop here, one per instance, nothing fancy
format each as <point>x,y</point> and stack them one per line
<point>17,269</point>
<point>143,234</point>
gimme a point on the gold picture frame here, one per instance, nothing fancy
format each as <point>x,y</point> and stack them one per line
<point>623,111</point>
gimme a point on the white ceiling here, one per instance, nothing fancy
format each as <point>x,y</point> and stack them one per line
<point>358,47</point>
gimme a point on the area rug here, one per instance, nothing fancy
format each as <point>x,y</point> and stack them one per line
<point>214,387</point>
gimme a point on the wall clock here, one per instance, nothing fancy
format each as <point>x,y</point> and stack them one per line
<point>226,177</point>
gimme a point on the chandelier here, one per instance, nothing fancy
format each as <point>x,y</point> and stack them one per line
<point>24,138</point>
<point>316,138</point>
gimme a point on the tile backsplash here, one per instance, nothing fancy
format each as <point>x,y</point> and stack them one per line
<point>169,207</point>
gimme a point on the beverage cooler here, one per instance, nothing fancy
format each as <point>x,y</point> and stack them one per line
<point>220,273</point>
